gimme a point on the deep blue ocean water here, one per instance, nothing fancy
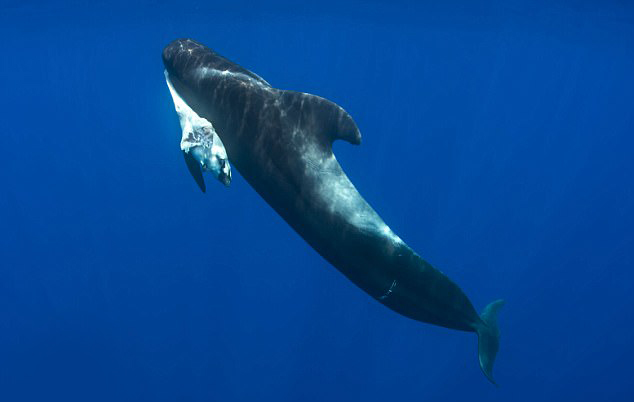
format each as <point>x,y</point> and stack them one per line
<point>497,142</point>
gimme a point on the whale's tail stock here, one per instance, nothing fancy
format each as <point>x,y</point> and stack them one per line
<point>489,337</point>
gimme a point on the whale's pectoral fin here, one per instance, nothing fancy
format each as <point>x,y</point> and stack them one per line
<point>195,169</point>
<point>327,120</point>
<point>489,338</point>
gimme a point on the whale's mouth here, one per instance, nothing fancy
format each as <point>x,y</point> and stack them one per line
<point>201,145</point>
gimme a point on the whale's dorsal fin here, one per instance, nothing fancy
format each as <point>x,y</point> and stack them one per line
<point>321,116</point>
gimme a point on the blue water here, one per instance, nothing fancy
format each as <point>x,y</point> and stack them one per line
<point>497,141</point>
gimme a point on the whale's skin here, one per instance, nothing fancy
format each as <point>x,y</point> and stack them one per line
<point>281,143</point>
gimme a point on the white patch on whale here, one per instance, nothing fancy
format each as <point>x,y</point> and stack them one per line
<point>200,139</point>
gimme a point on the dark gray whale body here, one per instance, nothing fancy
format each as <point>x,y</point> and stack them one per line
<point>281,142</point>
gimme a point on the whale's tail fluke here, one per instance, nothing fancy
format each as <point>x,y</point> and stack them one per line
<point>489,338</point>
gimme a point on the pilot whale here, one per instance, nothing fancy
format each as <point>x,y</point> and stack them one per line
<point>281,143</point>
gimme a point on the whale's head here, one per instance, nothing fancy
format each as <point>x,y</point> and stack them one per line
<point>200,143</point>
<point>201,83</point>
<point>194,67</point>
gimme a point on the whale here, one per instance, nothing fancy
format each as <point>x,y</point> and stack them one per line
<point>280,141</point>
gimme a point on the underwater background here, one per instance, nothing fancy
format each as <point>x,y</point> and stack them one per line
<point>497,142</point>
